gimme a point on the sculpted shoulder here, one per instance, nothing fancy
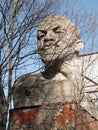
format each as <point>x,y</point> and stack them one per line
<point>27,80</point>
<point>24,90</point>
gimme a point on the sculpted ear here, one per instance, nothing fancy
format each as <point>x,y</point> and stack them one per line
<point>79,45</point>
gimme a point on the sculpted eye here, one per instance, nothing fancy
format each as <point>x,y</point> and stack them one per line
<point>56,29</point>
<point>59,31</point>
<point>43,31</point>
<point>41,34</point>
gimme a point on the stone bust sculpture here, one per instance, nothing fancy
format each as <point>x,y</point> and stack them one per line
<point>58,45</point>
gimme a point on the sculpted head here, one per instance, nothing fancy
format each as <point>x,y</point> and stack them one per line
<point>58,38</point>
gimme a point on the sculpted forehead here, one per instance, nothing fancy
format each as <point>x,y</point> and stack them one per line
<point>54,21</point>
<point>61,21</point>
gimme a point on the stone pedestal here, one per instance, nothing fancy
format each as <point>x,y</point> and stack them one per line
<point>53,116</point>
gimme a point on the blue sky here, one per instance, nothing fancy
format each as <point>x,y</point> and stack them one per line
<point>90,5</point>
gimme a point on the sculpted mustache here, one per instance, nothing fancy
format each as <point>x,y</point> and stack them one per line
<point>48,45</point>
<point>56,52</point>
<point>45,48</point>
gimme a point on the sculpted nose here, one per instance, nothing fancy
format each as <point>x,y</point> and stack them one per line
<point>50,36</point>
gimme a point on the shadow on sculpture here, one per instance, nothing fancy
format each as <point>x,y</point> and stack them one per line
<point>54,92</point>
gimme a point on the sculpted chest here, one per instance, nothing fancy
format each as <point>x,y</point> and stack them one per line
<point>32,90</point>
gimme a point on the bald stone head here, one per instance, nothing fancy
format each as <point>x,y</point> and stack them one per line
<point>58,38</point>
